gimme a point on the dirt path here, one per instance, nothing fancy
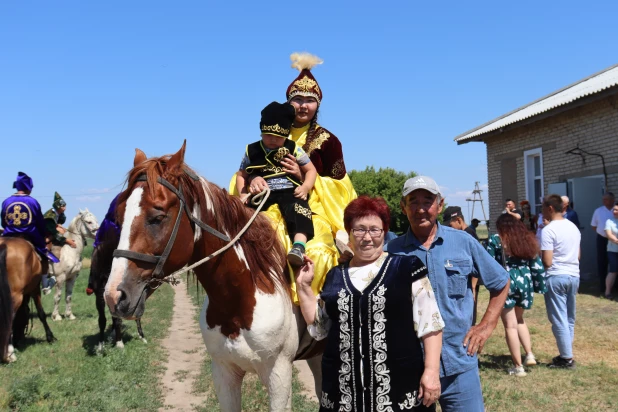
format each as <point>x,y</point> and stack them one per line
<point>305,376</point>
<point>186,353</point>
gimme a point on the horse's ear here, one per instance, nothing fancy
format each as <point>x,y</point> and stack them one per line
<point>178,158</point>
<point>81,212</point>
<point>86,210</point>
<point>140,157</point>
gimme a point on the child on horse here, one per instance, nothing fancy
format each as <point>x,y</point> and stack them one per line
<point>22,217</point>
<point>262,161</point>
<point>54,218</point>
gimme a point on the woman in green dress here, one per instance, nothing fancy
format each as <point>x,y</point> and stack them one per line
<point>515,248</point>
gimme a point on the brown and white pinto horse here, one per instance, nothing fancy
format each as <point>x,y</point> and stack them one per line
<point>171,218</point>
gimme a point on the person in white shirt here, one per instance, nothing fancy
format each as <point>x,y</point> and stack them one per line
<point>560,251</point>
<point>599,218</point>
<point>611,230</point>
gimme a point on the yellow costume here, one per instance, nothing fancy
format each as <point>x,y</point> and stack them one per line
<point>332,190</point>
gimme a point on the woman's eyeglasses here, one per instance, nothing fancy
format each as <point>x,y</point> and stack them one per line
<point>373,232</point>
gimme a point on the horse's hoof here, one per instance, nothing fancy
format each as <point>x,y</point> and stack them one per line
<point>12,358</point>
<point>56,317</point>
<point>71,316</point>
<point>119,345</point>
<point>144,340</point>
<point>99,347</point>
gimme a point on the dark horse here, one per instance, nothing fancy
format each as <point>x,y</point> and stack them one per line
<point>100,267</point>
<point>20,278</point>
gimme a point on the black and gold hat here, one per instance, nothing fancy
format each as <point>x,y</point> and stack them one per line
<point>305,84</point>
<point>277,119</point>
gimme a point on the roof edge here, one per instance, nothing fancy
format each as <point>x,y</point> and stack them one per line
<point>529,104</point>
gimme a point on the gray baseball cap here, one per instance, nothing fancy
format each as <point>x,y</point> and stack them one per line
<point>421,182</point>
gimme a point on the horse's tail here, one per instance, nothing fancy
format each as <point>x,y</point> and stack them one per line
<point>6,305</point>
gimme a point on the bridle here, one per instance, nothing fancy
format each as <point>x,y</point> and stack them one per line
<point>157,274</point>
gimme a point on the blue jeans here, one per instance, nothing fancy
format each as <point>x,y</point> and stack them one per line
<point>560,304</point>
<point>462,392</point>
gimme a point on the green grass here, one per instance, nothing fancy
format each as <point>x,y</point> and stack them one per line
<point>254,395</point>
<point>591,387</point>
<point>69,375</point>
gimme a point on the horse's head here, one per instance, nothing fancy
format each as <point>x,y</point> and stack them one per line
<point>156,236</point>
<point>89,224</point>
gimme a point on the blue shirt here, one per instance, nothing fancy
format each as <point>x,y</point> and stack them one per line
<point>572,216</point>
<point>454,257</point>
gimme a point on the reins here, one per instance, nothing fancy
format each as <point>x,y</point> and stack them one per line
<point>158,277</point>
<point>257,200</point>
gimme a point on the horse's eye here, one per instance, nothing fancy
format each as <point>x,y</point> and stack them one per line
<point>155,220</point>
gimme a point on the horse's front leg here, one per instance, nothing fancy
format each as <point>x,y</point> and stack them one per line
<point>68,298</point>
<point>228,382</point>
<point>57,296</point>
<point>10,352</point>
<point>100,302</point>
<point>43,316</point>
<point>138,322</point>
<point>117,326</point>
<point>278,381</point>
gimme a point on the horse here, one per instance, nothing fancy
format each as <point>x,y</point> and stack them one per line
<point>83,226</point>
<point>171,217</point>
<point>21,268</point>
<point>100,267</point>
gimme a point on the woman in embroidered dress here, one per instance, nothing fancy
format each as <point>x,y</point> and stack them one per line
<point>332,190</point>
<point>375,311</point>
<point>515,248</point>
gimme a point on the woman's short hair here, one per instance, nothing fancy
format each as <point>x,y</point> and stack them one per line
<point>365,206</point>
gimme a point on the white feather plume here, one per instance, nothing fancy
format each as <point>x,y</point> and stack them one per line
<point>304,60</point>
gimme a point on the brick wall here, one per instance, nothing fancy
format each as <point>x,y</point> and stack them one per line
<point>594,127</point>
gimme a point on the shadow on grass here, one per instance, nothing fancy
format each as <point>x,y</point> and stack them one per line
<point>90,342</point>
<point>495,362</point>
<point>24,343</point>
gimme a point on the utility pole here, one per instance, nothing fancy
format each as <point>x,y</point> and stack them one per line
<point>477,191</point>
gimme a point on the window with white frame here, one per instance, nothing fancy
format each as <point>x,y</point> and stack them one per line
<point>533,167</point>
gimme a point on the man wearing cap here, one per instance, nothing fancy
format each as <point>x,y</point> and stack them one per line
<point>453,257</point>
<point>453,217</point>
<point>54,218</point>
<point>22,217</point>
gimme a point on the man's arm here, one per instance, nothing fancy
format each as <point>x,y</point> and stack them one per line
<point>547,256</point>
<point>477,335</point>
<point>497,281</point>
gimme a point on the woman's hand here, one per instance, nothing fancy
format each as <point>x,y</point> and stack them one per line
<point>305,274</point>
<point>430,386</point>
<point>290,166</point>
<point>257,185</point>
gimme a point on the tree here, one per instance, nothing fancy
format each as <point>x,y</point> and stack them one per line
<point>387,183</point>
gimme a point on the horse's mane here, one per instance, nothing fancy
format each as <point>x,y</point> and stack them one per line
<point>264,253</point>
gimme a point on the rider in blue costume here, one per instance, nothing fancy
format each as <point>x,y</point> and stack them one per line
<point>109,231</point>
<point>22,217</point>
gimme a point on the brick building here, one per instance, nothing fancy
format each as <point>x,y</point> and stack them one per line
<point>564,143</point>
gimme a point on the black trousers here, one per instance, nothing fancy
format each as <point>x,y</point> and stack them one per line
<point>296,212</point>
<point>602,261</point>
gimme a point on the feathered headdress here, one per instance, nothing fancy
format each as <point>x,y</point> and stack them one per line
<point>305,84</point>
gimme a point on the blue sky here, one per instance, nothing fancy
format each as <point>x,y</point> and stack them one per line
<point>82,84</point>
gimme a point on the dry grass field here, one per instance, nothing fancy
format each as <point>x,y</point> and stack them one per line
<point>593,386</point>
